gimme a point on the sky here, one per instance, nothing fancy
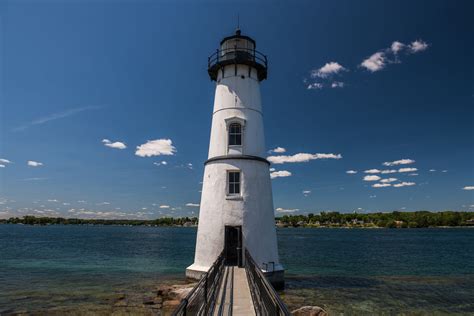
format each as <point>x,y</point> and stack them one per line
<point>105,106</point>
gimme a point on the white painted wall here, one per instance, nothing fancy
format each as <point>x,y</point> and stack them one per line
<point>236,98</point>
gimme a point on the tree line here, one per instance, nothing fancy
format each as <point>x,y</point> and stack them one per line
<point>165,221</point>
<point>395,219</point>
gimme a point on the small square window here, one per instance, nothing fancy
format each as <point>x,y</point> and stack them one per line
<point>233,182</point>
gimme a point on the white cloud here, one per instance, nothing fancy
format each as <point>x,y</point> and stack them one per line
<point>407,170</point>
<point>388,180</point>
<point>371,178</point>
<point>381,185</point>
<point>4,161</point>
<point>116,145</point>
<point>388,171</point>
<point>413,174</point>
<point>280,174</point>
<point>306,192</point>
<point>396,47</point>
<point>351,171</point>
<point>55,116</point>
<point>2,166</point>
<point>104,203</point>
<point>189,165</point>
<point>399,162</point>
<point>156,147</point>
<point>164,206</point>
<point>375,62</point>
<point>328,69</point>
<point>314,86</point>
<point>432,170</point>
<point>32,163</point>
<point>272,169</point>
<point>278,150</point>
<point>418,46</point>
<point>164,163</point>
<point>192,204</point>
<point>404,184</point>
<point>372,171</point>
<point>444,171</point>
<point>52,200</point>
<point>301,157</point>
<point>469,188</point>
<point>337,84</point>
<point>282,210</point>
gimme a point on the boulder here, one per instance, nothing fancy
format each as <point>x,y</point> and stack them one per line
<point>309,311</point>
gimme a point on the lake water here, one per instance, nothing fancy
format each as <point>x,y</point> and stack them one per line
<point>352,271</point>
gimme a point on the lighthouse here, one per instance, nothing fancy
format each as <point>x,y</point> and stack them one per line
<point>236,210</point>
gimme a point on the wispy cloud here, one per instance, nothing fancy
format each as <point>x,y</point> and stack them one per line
<point>192,204</point>
<point>314,86</point>
<point>418,46</point>
<point>32,163</point>
<point>404,184</point>
<point>375,62</point>
<point>372,171</point>
<point>161,163</point>
<point>469,188</point>
<point>156,147</point>
<point>327,70</point>
<point>384,57</point>
<point>116,145</point>
<point>278,150</point>
<point>351,171</point>
<point>280,174</point>
<point>407,169</point>
<point>399,162</point>
<point>388,171</point>
<point>306,192</point>
<point>301,157</point>
<point>282,210</point>
<point>381,185</point>
<point>326,74</point>
<point>55,116</point>
<point>371,178</point>
<point>388,180</point>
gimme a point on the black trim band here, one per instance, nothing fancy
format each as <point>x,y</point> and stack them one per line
<point>242,157</point>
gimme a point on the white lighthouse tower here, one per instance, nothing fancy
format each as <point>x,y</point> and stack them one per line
<point>236,211</point>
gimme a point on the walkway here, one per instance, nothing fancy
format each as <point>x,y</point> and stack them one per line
<point>234,294</point>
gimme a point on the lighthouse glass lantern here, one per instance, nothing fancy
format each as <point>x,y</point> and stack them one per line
<point>236,209</point>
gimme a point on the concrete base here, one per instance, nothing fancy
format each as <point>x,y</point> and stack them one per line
<point>195,272</point>
<point>276,278</point>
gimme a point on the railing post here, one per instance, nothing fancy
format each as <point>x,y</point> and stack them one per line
<point>205,291</point>
<point>185,306</point>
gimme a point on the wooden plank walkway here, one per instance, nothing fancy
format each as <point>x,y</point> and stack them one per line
<point>234,294</point>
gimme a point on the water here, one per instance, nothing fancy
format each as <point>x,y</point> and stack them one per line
<point>350,271</point>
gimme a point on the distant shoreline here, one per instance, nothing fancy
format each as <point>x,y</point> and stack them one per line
<point>420,219</point>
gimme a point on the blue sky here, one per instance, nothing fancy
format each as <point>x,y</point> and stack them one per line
<point>76,73</point>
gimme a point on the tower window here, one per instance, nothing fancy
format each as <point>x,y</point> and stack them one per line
<point>233,178</point>
<point>235,134</point>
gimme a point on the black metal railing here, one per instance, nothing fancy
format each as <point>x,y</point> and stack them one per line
<point>237,54</point>
<point>202,298</point>
<point>265,299</point>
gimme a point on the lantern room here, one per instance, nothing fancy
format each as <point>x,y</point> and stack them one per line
<point>236,50</point>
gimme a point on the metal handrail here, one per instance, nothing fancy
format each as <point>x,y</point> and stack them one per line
<point>202,298</point>
<point>243,53</point>
<point>266,300</point>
